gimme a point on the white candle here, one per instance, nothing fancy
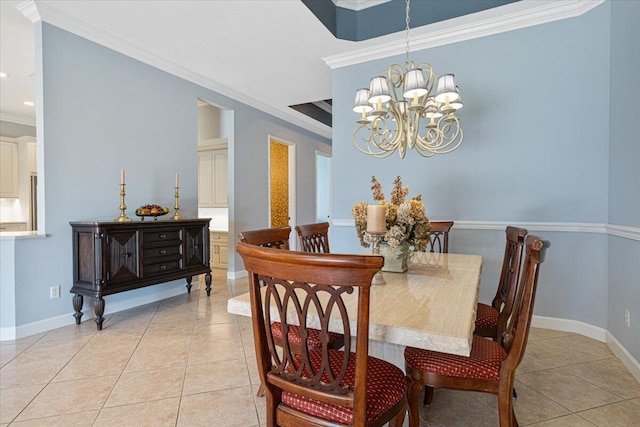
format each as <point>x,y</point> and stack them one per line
<point>121,176</point>
<point>177,180</point>
<point>376,219</point>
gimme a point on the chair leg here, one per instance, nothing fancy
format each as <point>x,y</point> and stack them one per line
<point>261,391</point>
<point>428,395</point>
<point>505,409</point>
<point>412,399</point>
<point>398,420</point>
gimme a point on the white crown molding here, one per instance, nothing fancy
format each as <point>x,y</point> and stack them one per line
<point>20,120</point>
<point>513,16</point>
<point>29,10</point>
<point>55,17</point>
<point>632,233</point>
<point>358,4</point>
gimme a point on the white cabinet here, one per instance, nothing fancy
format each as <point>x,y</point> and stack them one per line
<point>13,226</point>
<point>219,244</point>
<point>32,158</point>
<point>212,178</point>
<point>9,183</point>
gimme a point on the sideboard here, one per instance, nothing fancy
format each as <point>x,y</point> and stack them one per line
<point>113,257</point>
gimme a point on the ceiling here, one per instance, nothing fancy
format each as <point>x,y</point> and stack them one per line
<point>271,54</point>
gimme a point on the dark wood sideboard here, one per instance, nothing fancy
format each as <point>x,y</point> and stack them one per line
<point>113,257</point>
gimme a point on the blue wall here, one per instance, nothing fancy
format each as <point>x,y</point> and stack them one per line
<point>536,150</point>
<point>624,174</point>
<point>103,112</point>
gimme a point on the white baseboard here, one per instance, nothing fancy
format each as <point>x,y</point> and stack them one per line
<point>68,319</point>
<point>568,325</point>
<point>233,275</point>
<point>625,357</point>
<point>594,332</point>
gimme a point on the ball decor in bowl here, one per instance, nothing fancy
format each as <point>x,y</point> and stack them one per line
<point>151,210</point>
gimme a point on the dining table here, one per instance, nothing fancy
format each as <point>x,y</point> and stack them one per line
<point>431,306</point>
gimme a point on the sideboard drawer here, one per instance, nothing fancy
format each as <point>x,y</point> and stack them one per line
<point>162,268</point>
<point>161,236</point>
<point>160,252</point>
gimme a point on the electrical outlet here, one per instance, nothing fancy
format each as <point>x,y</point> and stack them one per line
<point>54,292</point>
<point>627,318</point>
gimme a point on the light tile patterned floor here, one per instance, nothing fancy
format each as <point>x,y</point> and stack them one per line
<point>185,361</point>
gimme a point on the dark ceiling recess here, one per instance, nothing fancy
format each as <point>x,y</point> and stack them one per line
<point>318,110</point>
<point>389,17</point>
<point>384,18</point>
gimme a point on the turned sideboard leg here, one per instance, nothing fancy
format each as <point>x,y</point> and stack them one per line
<point>207,279</point>
<point>98,307</point>
<point>77,306</point>
<point>189,278</point>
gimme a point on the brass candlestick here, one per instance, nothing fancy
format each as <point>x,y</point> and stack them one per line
<point>123,207</point>
<point>376,238</point>
<point>177,204</point>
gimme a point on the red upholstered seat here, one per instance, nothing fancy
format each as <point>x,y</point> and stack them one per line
<point>386,385</point>
<point>484,361</point>
<point>313,340</point>
<point>486,316</point>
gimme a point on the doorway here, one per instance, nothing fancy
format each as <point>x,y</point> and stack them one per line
<point>282,185</point>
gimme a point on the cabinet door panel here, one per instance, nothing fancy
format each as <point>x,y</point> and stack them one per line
<point>220,178</point>
<point>205,179</point>
<point>122,262</point>
<point>196,247</point>
<point>223,255</point>
<point>8,170</point>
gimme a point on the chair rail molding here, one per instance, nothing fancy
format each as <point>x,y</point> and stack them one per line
<point>632,233</point>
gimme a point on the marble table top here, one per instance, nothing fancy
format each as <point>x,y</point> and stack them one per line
<point>432,306</point>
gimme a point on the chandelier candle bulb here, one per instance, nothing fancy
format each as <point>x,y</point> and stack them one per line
<point>122,176</point>
<point>177,180</point>
<point>376,219</point>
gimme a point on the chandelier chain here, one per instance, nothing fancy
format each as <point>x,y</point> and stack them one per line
<point>407,31</point>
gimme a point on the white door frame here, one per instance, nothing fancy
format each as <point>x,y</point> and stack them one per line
<point>293,241</point>
<point>329,172</point>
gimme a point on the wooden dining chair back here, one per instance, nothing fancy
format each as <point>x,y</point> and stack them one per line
<point>319,386</point>
<point>491,319</point>
<point>439,236</point>
<point>491,366</point>
<point>314,237</point>
<point>267,237</point>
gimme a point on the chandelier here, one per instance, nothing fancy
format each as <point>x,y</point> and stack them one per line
<point>396,104</point>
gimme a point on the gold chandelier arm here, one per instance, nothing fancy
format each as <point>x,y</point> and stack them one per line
<point>445,139</point>
<point>378,140</point>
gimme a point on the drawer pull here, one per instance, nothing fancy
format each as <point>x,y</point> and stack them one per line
<point>163,251</point>
<point>163,267</point>
<point>163,236</point>
<point>126,255</point>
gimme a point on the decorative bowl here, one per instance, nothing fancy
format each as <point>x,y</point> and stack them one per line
<point>151,210</point>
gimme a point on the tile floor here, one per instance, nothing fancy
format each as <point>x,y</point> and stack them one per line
<point>185,361</point>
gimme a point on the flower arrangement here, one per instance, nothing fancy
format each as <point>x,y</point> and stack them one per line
<point>405,219</point>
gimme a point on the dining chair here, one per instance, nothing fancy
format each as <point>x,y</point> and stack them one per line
<point>314,237</point>
<point>439,236</point>
<point>278,238</point>
<point>268,237</point>
<point>489,316</point>
<point>320,386</point>
<point>491,366</point>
